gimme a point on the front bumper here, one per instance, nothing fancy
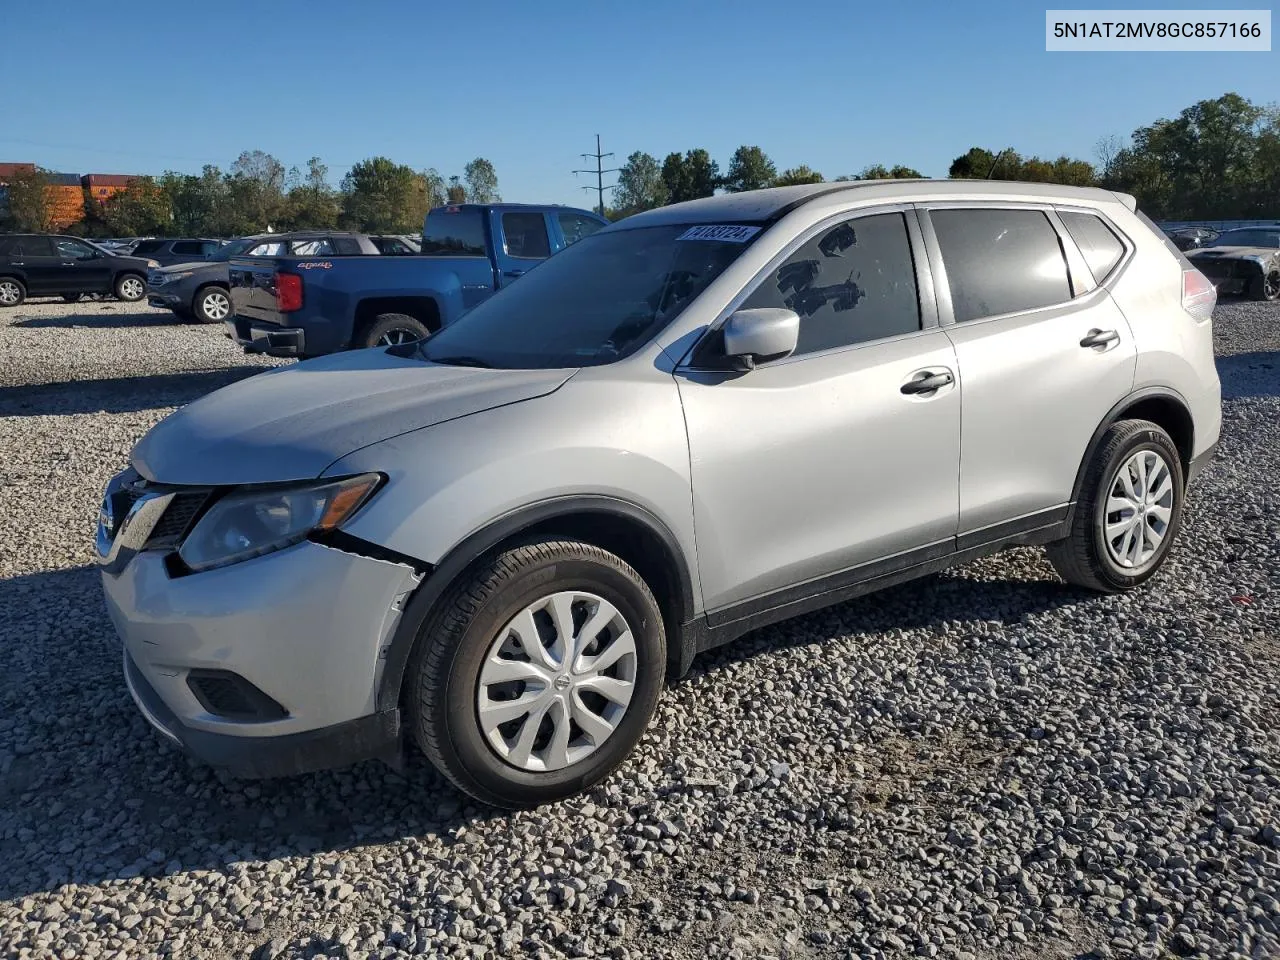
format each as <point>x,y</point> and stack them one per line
<point>266,338</point>
<point>164,299</point>
<point>306,627</point>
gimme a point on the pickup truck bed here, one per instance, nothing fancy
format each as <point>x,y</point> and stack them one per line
<point>308,306</point>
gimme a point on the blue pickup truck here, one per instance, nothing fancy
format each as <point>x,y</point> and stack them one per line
<point>306,306</point>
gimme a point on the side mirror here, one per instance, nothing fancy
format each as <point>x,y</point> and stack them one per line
<point>766,333</point>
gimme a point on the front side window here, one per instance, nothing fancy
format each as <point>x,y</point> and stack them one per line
<point>454,232</point>
<point>74,249</point>
<point>1000,261</point>
<point>574,226</point>
<point>1102,249</point>
<point>852,283</point>
<point>526,235</point>
<point>591,304</point>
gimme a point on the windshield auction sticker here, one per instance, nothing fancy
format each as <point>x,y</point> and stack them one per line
<point>736,233</point>
<point>1147,30</point>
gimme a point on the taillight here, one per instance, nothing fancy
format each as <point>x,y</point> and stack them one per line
<point>1199,296</point>
<point>288,292</point>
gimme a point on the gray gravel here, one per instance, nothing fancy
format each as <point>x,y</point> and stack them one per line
<point>983,764</point>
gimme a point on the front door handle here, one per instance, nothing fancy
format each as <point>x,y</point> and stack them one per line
<point>1099,338</point>
<point>513,273</point>
<point>928,382</point>
<point>68,263</point>
<point>16,263</point>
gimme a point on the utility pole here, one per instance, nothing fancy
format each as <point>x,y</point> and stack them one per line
<point>599,171</point>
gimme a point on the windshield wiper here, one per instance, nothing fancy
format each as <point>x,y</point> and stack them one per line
<point>462,362</point>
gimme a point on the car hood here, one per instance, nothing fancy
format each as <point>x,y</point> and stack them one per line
<point>1219,253</point>
<point>290,423</point>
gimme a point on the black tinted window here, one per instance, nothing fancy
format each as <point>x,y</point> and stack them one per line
<point>526,235</point>
<point>70,249</point>
<point>454,232</point>
<point>348,246</point>
<point>36,247</point>
<point>1247,238</point>
<point>148,246</point>
<point>186,247</point>
<point>8,245</point>
<point>574,226</point>
<point>1000,261</point>
<point>852,283</point>
<point>1102,249</point>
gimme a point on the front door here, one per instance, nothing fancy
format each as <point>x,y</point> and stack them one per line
<point>1044,354</point>
<point>520,242</point>
<point>84,269</point>
<point>808,468</point>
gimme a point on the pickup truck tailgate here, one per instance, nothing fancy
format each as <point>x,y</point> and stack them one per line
<point>253,289</point>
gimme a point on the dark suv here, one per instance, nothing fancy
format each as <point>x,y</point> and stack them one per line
<point>43,265</point>
<point>183,250</point>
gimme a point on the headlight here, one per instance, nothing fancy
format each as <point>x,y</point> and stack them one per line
<point>164,278</point>
<point>153,263</point>
<point>254,522</point>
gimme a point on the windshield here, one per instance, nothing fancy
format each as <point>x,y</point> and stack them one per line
<point>232,249</point>
<point>1247,238</point>
<point>593,303</point>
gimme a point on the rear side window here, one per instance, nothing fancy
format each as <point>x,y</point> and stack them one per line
<point>149,246</point>
<point>313,248</point>
<point>454,232</point>
<point>187,247</point>
<point>8,245</point>
<point>850,284</point>
<point>36,247</point>
<point>347,246</point>
<point>574,226</point>
<point>1000,261</point>
<point>1102,249</point>
<point>526,235</point>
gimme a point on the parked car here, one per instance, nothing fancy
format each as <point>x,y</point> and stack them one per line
<point>167,251</point>
<point>46,265</point>
<point>297,306</point>
<point>199,289</point>
<point>1191,238</point>
<point>1244,261</point>
<point>703,419</point>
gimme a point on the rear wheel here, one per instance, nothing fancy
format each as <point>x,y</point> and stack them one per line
<point>390,329</point>
<point>1266,287</point>
<point>12,292</point>
<point>212,305</point>
<point>537,673</point>
<point>130,288</point>
<point>1129,512</point>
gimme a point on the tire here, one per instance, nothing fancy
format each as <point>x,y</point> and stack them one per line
<point>130,287</point>
<point>212,305</point>
<point>12,292</point>
<point>1086,558</point>
<point>1266,287</point>
<point>71,298</point>
<point>473,623</point>
<point>392,328</point>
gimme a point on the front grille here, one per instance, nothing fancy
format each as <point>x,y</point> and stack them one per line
<point>229,695</point>
<point>176,520</point>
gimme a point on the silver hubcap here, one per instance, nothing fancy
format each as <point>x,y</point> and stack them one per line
<point>393,337</point>
<point>216,306</point>
<point>1139,509</point>
<point>131,288</point>
<point>556,681</point>
<point>8,293</point>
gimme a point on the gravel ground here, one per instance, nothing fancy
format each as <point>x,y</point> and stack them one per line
<point>983,764</point>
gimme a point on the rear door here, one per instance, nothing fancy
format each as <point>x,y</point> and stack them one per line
<point>83,269</point>
<point>1043,355</point>
<point>34,256</point>
<point>521,241</point>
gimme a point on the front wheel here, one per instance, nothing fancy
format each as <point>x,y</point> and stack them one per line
<point>1266,287</point>
<point>390,329</point>
<point>130,288</point>
<point>212,305</point>
<point>1129,512</point>
<point>537,673</point>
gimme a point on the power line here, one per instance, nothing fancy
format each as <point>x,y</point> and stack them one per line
<point>599,171</point>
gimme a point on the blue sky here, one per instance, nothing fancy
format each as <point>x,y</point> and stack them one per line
<point>141,87</point>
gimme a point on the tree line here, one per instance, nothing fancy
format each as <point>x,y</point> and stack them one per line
<point>1218,159</point>
<point>377,195</point>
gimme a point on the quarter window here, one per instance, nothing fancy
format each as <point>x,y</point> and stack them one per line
<point>850,284</point>
<point>1102,249</point>
<point>1000,261</point>
<point>526,235</point>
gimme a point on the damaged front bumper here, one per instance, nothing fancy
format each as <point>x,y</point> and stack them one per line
<point>267,667</point>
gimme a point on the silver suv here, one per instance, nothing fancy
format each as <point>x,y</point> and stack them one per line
<point>498,542</point>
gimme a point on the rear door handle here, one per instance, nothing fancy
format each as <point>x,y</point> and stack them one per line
<point>16,263</point>
<point>928,381</point>
<point>1099,338</point>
